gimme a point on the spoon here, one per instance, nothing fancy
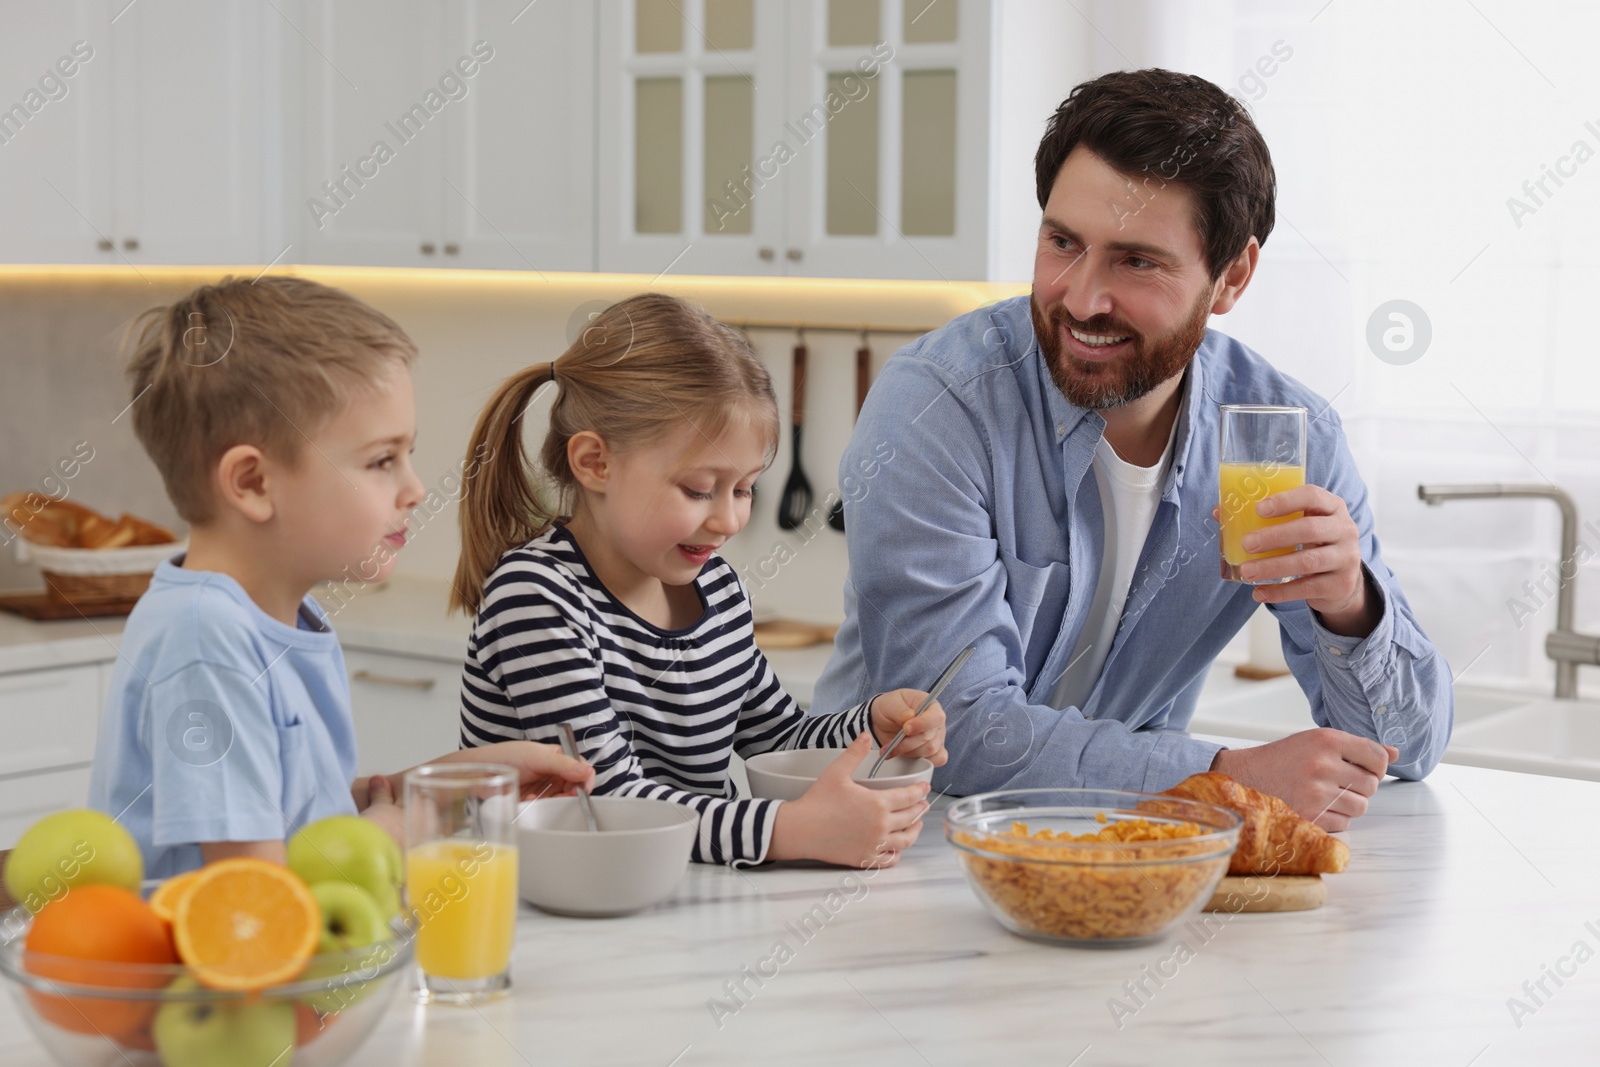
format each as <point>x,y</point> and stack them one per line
<point>570,747</point>
<point>933,694</point>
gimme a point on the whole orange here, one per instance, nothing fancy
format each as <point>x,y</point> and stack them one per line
<point>72,937</point>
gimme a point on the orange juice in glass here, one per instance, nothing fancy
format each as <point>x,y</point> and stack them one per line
<point>461,877</point>
<point>1263,451</point>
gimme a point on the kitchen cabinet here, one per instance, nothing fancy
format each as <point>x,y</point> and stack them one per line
<point>49,719</point>
<point>140,138</point>
<point>454,134</point>
<point>407,709</point>
<point>796,137</point>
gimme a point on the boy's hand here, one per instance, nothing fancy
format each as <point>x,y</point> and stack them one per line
<point>383,807</point>
<point>924,734</point>
<point>842,821</point>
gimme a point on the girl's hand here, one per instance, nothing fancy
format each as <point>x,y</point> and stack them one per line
<point>842,821</point>
<point>924,735</point>
<point>545,771</point>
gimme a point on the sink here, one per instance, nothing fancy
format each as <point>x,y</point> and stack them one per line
<point>1266,711</point>
<point>1495,728</point>
<point>1555,737</point>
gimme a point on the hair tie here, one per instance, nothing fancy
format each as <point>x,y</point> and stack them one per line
<point>552,373</point>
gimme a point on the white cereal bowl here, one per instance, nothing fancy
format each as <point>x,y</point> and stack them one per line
<point>788,774</point>
<point>636,860</point>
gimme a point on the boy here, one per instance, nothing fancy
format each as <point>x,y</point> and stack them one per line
<point>280,414</point>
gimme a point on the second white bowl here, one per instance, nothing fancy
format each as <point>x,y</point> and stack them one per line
<point>788,774</point>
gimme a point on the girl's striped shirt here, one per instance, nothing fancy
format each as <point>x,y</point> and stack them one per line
<point>656,712</point>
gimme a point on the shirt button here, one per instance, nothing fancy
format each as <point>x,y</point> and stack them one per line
<point>1336,650</point>
<point>1380,709</point>
<point>1061,428</point>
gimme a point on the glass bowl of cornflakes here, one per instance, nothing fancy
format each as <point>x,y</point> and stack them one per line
<point>1092,867</point>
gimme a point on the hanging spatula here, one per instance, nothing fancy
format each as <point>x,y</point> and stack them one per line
<point>796,502</point>
<point>863,381</point>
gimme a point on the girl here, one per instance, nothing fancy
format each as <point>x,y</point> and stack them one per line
<point>611,611</point>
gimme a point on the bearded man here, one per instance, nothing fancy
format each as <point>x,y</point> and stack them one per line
<point>1053,490</point>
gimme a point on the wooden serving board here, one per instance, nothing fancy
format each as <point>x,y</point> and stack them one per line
<point>786,633</point>
<point>1263,892</point>
<point>43,607</point>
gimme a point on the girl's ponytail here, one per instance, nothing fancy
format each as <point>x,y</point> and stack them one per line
<point>500,506</point>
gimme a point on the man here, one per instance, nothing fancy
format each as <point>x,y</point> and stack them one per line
<point>1054,478</point>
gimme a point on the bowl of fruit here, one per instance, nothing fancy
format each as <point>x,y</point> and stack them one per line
<point>242,961</point>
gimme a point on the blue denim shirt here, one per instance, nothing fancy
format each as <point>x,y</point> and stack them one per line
<point>984,527</point>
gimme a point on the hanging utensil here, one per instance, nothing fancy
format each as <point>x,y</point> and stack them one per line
<point>863,381</point>
<point>569,745</point>
<point>796,502</point>
<point>933,694</point>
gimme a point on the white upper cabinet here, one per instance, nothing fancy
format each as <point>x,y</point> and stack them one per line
<point>822,138</point>
<point>799,137</point>
<point>138,138</point>
<point>443,134</point>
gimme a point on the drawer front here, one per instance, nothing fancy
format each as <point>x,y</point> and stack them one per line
<point>48,718</point>
<point>27,798</point>
<point>407,711</point>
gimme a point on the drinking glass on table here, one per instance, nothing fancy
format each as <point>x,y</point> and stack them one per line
<point>1263,451</point>
<point>461,877</point>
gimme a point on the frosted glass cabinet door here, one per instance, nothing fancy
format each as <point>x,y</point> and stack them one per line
<point>690,107</point>
<point>890,100</point>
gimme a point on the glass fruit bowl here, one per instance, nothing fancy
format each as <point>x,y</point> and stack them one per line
<point>1134,882</point>
<point>93,1014</point>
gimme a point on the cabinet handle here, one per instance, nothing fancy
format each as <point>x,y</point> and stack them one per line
<point>427,248</point>
<point>131,244</point>
<point>766,253</point>
<point>794,255</point>
<point>452,249</point>
<point>104,245</point>
<point>422,685</point>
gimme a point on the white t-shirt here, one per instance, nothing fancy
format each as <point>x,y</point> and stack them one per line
<point>1129,496</point>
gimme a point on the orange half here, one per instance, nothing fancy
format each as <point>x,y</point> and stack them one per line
<point>246,924</point>
<point>164,901</point>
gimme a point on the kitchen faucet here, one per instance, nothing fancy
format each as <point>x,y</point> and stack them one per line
<point>1564,645</point>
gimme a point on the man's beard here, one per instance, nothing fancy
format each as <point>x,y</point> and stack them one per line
<point>1125,379</point>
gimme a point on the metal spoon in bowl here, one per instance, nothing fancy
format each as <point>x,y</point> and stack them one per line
<point>933,694</point>
<point>569,745</point>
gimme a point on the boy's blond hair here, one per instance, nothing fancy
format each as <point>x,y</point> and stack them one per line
<point>265,363</point>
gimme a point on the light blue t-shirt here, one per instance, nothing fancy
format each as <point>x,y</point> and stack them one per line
<point>222,724</point>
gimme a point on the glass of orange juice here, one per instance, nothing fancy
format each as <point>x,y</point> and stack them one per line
<point>1263,451</point>
<point>461,877</point>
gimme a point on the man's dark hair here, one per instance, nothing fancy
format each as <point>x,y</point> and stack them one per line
<point>1158,127</point>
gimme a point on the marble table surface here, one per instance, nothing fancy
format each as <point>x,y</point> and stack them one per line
<point>1461,889</point>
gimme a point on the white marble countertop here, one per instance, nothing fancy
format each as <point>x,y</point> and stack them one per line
<point>1461,888</point>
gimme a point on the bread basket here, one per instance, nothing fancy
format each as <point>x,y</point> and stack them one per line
<point>94,575</point>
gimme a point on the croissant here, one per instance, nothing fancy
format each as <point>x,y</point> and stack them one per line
<point>1274,838</point>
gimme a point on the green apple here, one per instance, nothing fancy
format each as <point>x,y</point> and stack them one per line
<point>350,917</point>
<point>223,1033</point>
<point>348,848</point>
<point>70,848</point>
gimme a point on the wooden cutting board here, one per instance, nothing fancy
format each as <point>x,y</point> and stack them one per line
<point>43,607</point>
<point>1261,892</point>
<point>787,633</point>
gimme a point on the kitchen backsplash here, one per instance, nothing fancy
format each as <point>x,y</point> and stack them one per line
<point>1464,566</point>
